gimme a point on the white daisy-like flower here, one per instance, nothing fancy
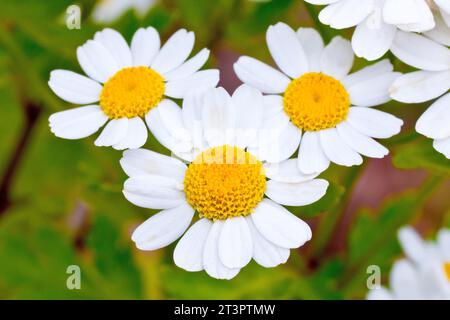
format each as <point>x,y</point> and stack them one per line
<point>107,11</point>
<point>125,83</point>
<point>320,107</point>
<point>378,21</point>
<point>430,82</point>
<point>225,183</point>
<point>424,274</point>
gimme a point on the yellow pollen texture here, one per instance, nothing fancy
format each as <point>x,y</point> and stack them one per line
<point>131,92</point>
<point>224,182</point>
<point>447,270</point>
<point>316,101</point>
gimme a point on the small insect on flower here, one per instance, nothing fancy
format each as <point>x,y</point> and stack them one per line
<point>430,82</point>
<point>125,84</point>
<point>225,183</point>
<point>424,273</point>
<point>379,21</point>
<point>324,111</point>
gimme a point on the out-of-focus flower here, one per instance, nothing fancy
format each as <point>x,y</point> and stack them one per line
<point>378,21</point>
<point>224,182</point>
<point>424,274</point>
<point>432,81</point>
<point>107,11</point>
<point>127,83</point>
<point>315,95</point>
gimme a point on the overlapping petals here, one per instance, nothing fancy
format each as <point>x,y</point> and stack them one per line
<point>105,55</point>
<point>350,139</point>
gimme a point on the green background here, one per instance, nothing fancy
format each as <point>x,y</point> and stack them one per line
<point>61,202</point>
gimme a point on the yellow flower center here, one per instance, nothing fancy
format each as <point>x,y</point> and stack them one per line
<point>447,270</point>
<point>131,92</point>
<point>224,182</point>
<point>316,101</point>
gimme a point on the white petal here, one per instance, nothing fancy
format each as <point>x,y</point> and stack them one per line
<point>296,194</point>
<point>286,50</point>
<point>153,192</point>
<point>404,281</point>
<point>443,146</point>
<point>73,87</point>
<point>313,45</point>
<point>260,75</point>
<point>192,118</point>
<point>96,61</point>
<point>114,132</point>
<point>199,81</point>
<point>311,158</point>
<point>435,121</point>
<point>337,58</point>
<point>443,5</point>
<point>337,150</point>
<point>218,117</point>
<point>361,143</point>
<point>420,86</point>
<point>77,123</point>
<point>116,45</point>
<point>235,243</point>
<point>163,228</point>
<point>367,73</point>
<point>373,38</point>
<point>421,52</point>
<point>162,133</point>
<point>273,105</point>
<point>279,226</point>
<point>188,253</point>
<point>174,52</point>
<point>441,33</point>
<point>374,91</point>
<point>211,261</point>
<point>407,12</point>
<point>189,67</point>
<point>145,46</point>
<point>443,241</point>
<point>141,161</point>
<point>412,244</point>
<point>287,171</point>
<point>345,13</point>
<point>321,2</point>
<point>379,294</point>
<point>277,144</point>
<point>374,123</point>
<point>249,110</point>
<point>136,135</point>
<point>170,116</point>
<point>106,12</point>
<point>265,253</point>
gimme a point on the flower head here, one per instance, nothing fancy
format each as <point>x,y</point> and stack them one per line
<point>379,21</point>
<point>125,83</point>
<point>430,82</point>
<point>238,196</point>
<point>322,110</point>
<point>423,274</point>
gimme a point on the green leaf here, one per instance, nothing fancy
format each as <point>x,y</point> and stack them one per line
<point>421,154</point>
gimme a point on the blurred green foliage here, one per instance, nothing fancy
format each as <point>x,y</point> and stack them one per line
<point>66,203</point>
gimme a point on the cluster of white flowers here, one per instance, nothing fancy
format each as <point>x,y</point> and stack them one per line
<point>418,33</point>
<point>240,158</point>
